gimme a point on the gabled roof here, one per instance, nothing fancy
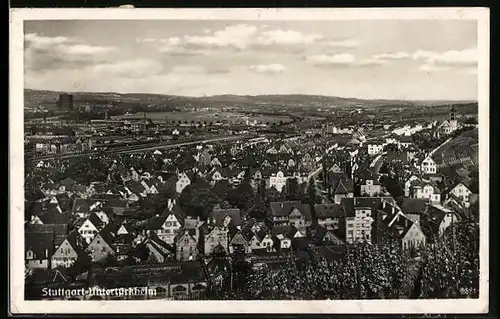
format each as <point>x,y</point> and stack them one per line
<point>261,234</point>
<point>76,241</point>
<point>95,220</point>
<point>331,210</point>
<point>106,236</point>
<point>60,231</point>
<point>414,205</point>
<point>156,222</point>
<point>341,189</point>
<point>401,226</point>
<point>282,209</point>
<point>82,205</point>
<point>159,244</point>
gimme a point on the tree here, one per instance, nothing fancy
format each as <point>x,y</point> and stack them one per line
<point>198,201</point>
<point>222,189</point>
<point>273,195</point>
<point>470,121</point>
<point>292,189</point>
<point>243,196</point>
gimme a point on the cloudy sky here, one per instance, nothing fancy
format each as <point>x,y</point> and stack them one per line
<point>426,59</point>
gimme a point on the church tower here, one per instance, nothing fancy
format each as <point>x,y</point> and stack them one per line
<point>453,119</point>
<point>453,114</point>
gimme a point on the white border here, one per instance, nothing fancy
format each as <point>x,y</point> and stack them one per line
<point>16,169</point>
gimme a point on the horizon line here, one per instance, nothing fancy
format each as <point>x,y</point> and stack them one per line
<point>252,95</point>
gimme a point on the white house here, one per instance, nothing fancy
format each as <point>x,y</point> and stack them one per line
<point>375,148</point>
<point>428,166</point>
<point>462,193</point>
<point>90,227</point>
<point>277,180</point>
<point>182,181</point>
<point>425,190</point>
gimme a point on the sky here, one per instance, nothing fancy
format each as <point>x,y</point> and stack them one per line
<point>389,59</point>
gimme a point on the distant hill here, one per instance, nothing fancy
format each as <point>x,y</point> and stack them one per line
<point>33,97</point>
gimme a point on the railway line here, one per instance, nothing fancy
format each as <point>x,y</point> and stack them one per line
<point>140,148</point>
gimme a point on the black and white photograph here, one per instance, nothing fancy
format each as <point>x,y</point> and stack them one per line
<point>216,156</point>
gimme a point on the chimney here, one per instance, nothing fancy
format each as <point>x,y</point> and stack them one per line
<point>46,253</point>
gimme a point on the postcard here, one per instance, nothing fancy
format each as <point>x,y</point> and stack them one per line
<point>249,160</point>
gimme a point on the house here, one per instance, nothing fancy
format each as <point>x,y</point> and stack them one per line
<point>292,213</point>
<point>280,239</point>
<point>408,233</point>
<point>38,248</point>
<point>371,188</point>
<point>264,241</point>
<point>322,235</point>
<point>205,157</point>
<point>239,240</point>
<point>437,219</point>
<point>359,212</point>
<point>150,186</point>
<point>329,215</point>
<point>405,141</point>
<point>159,250</point>
<point>90,227</point>
<point>165,226</point>
<point>408,182</point>
<point>214,236</point>
<point>215,176</point>
<point>186,245</point>
<point>461,191</point>
<point>272,150</point>
<point>82,207</point>
<point>255,174</point>
<point>122,245</point>
<point>70,250</point>
<point>60,231</point>
<point>414,208</point>
<point>277,180</point>
<point>222,217</point>
<point>182,181</point>
<point>135,190</point>
<point>308,162</point>
<point>134,175</point>
<point>339,184</point>
<point>425,190</point>
<point>375,148</point>
<point>428,166</point>
<point>101,246</point>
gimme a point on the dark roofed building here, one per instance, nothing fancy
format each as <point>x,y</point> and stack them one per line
<point>329,215</point>
<point>290,213</point>
<point>60,231</point>
<point>38,248</point>
<point>222,217</point>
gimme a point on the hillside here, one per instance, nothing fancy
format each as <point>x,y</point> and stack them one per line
<point>34,97</point>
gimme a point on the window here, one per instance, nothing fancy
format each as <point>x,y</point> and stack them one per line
<point>182,249</point>
<point>168,224</point>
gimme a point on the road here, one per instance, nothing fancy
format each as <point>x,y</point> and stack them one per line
<point>132,149</point>
<point>442,144</point>
<point>377,163</point>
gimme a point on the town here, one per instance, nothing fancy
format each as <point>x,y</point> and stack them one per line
<point>264,200</point>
